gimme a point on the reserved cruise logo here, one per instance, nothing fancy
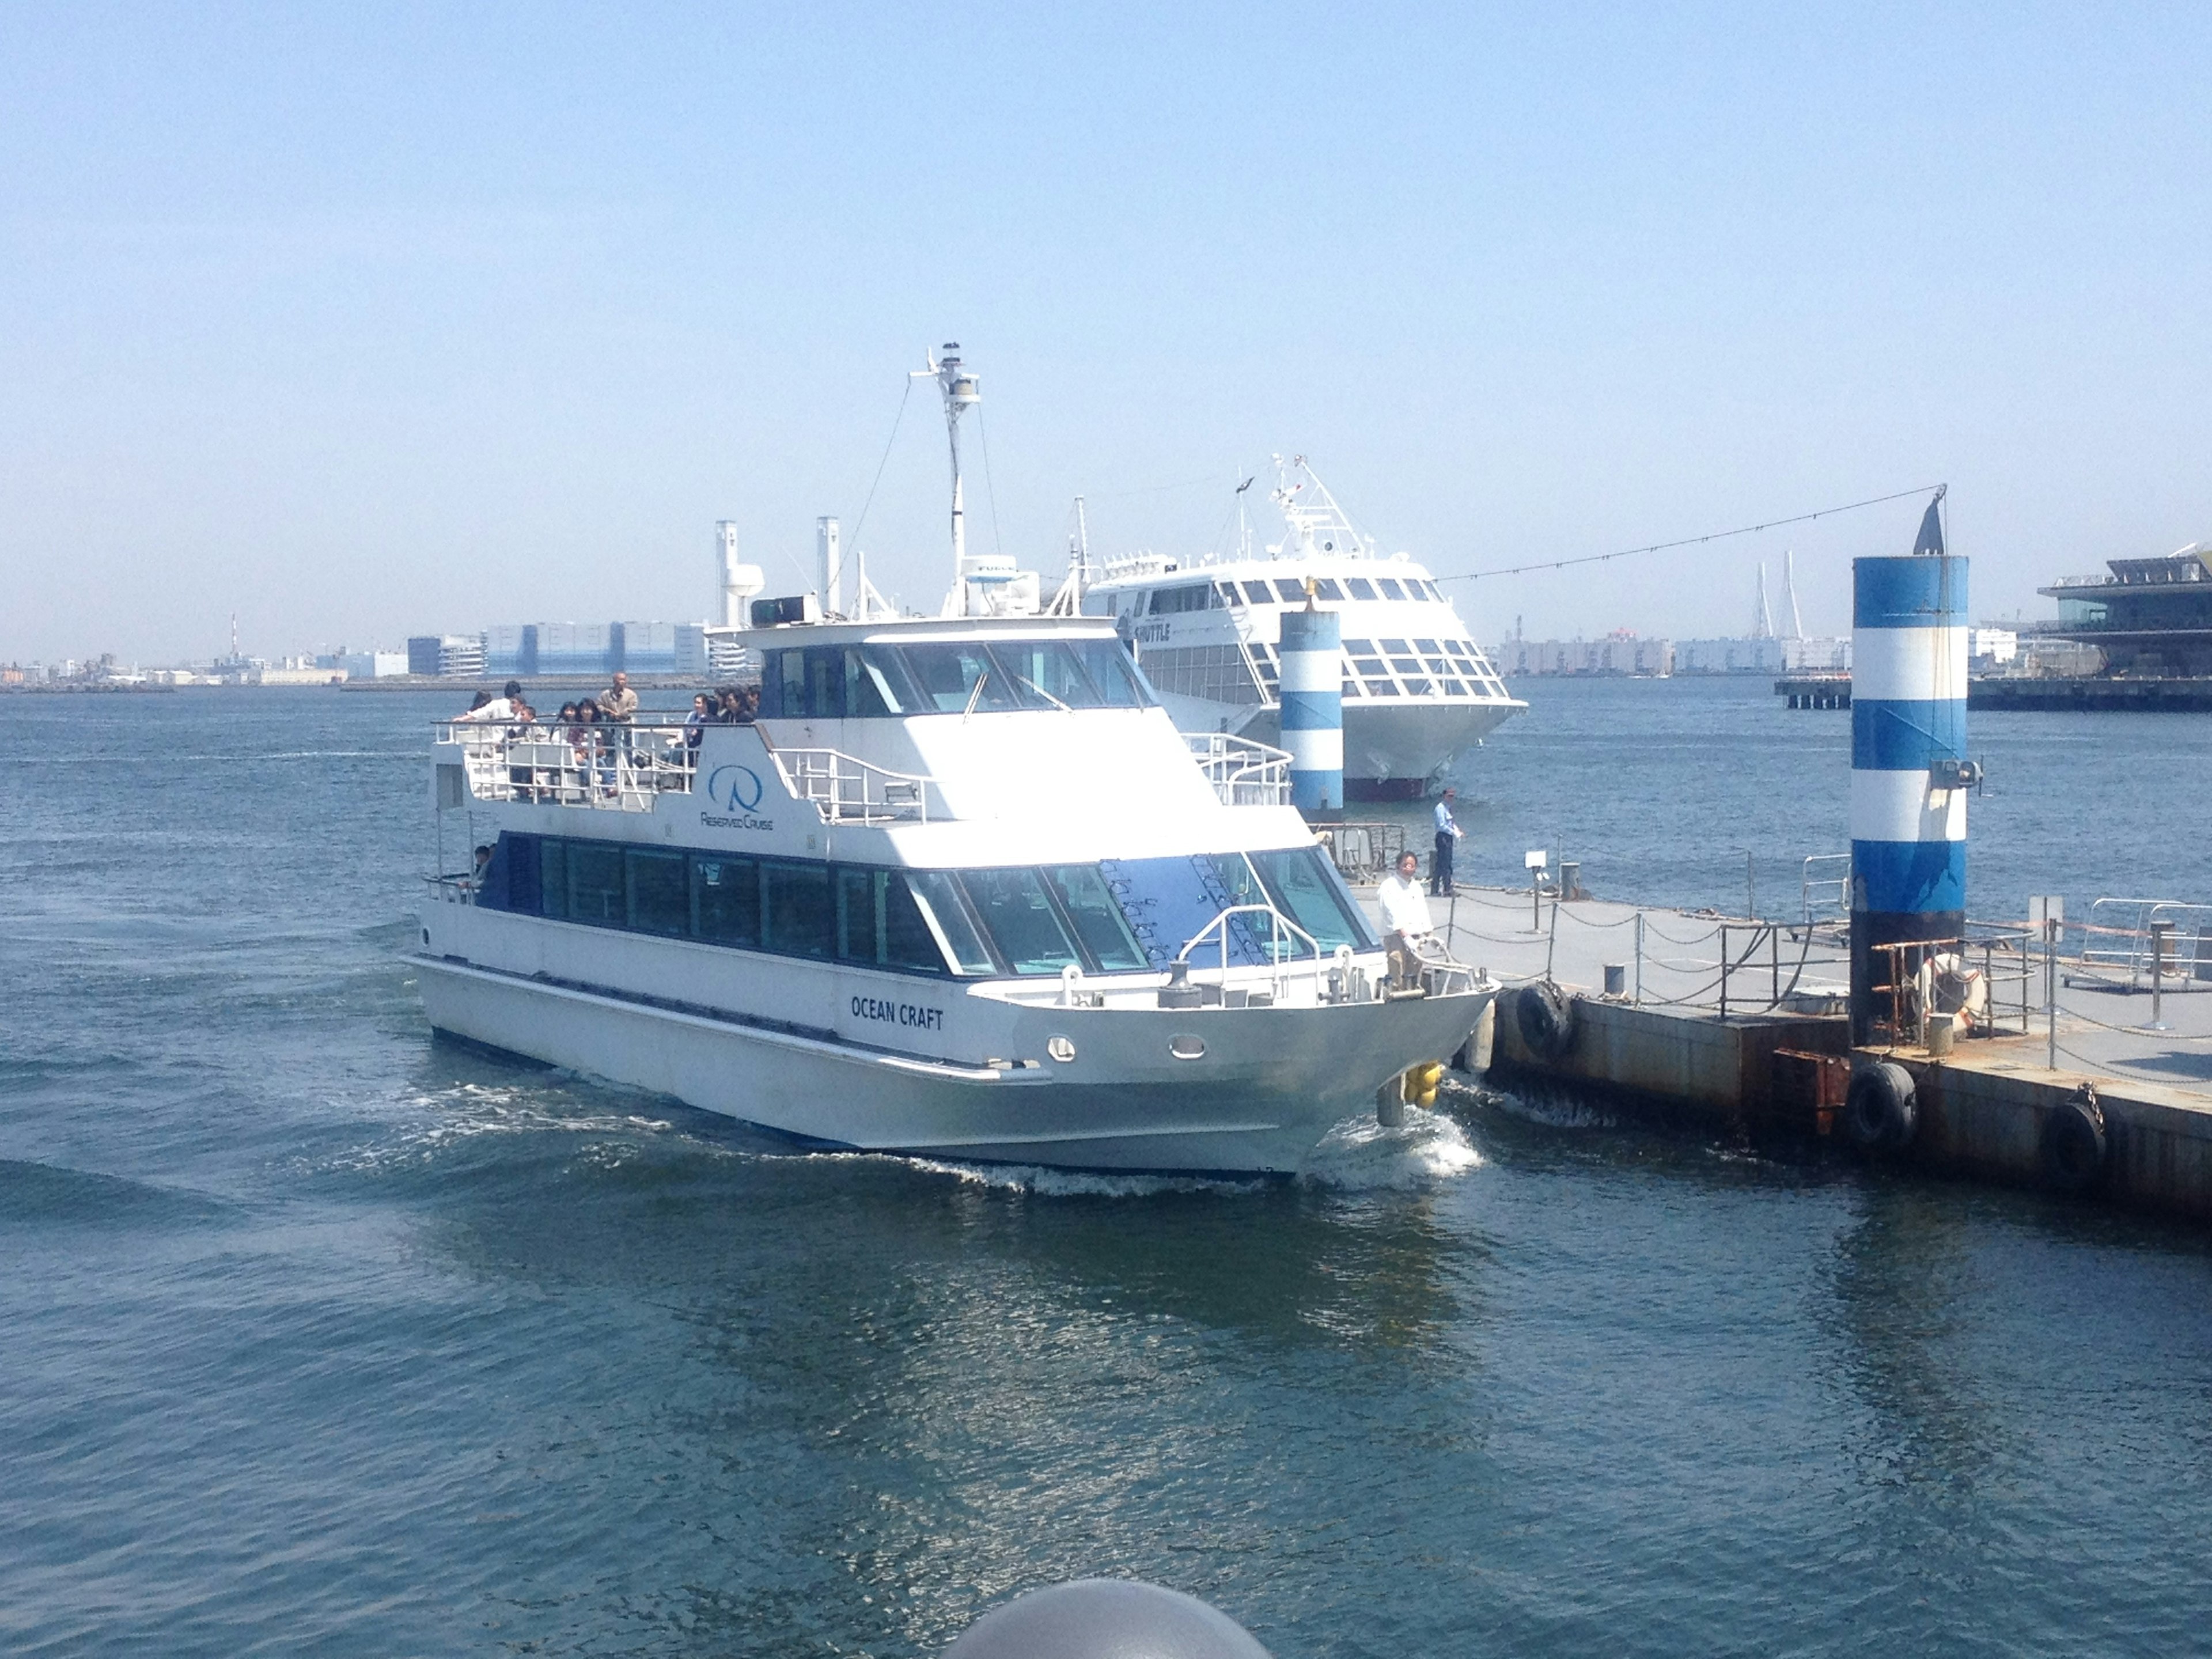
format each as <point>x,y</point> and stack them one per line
<point>738,790</point>
<point>899,1013</point>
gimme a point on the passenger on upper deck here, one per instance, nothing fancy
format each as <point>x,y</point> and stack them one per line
<point>488,709</point>
<point>696,722</point>
<point>619,702</point>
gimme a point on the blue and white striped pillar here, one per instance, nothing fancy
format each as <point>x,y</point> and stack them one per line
<point>1908,749</point>
<point>1312,691</point>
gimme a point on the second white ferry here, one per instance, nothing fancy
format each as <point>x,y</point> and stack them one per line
<point>1418,689</point>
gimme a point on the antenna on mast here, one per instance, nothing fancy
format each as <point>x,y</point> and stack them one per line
<point>962,392</point>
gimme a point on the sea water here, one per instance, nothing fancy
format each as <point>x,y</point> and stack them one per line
<point>319,1336</point>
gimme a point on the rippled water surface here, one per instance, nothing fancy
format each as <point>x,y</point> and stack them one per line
<point>318,1336</point>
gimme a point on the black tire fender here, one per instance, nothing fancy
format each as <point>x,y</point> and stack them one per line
<point>1882,1109</point>
<point>1545,1017</point>
<point>2074,1147</point>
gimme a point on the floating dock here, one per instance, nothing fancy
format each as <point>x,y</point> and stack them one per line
<point>1622,1006</point>
<point>2025,694</point>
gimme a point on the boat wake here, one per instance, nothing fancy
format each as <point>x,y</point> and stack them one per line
<point>1360,1155</point>
<point>431,1123</point>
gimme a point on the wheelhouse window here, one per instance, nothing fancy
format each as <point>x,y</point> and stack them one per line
<point>956,677</point>
<point>1097,920</point>
<point>1019,917</point>
<point>1288,592</point>
<point>1305,886</point>
<point>1112,675</point>
<point>1258,594</point>
<point>1326,588</point>
<point>1360,587</point>
<point>1390,588</point>
<point>1046,670</point>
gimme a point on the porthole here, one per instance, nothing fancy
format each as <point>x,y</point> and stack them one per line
<point>1187,1047</point>
<point>1059,1049</point>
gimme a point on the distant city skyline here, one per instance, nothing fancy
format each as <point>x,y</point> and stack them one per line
<point>368,325</point>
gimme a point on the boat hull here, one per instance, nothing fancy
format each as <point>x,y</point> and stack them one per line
<point>1398,751</point>
<point>1269,1084</point>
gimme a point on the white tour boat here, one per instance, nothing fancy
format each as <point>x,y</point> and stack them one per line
<point>1418,689</point>
<point>962,889</point>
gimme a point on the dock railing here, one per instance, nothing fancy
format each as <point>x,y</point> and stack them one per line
<point>2139,941</point>
<point>1824,889</point>
<point>1243,773</point>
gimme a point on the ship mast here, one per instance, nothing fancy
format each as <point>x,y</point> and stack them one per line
<point>961,392</point>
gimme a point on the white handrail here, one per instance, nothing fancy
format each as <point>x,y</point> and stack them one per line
<point>846,789</point>
<point>1243,773</point>
<point>1220,924</point>
<point>602,764</point>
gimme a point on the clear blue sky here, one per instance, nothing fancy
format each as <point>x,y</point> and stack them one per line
<point>368,320</point>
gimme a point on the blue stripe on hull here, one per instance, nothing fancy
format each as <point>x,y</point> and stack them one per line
<point>1903,737</point>
<point>1909,876</point>
<point>1916,591</point>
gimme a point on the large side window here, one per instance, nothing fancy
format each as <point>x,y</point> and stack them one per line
<point>1306,888</point>
<point>907,939</point>
<point>800,914</point>
<point>1019,917</point>
<point>660,890</point>
<point>727,894</point>
<point>553,879</point>
<point>1099,920</point>
<point>857,900</point>
<point>595,883</point>
<point>936,892</point>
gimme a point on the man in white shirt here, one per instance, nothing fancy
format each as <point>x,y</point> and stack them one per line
<point>1448,835</point>
<point>1405,918</point>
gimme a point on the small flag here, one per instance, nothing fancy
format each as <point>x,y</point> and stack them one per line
<point>1931,527</point>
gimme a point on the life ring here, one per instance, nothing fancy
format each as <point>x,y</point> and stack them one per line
<point>1881,1110</point>
<point>2074,1145</point>
<point>1545,1015</point>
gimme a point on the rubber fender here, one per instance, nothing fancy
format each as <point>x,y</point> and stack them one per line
<point>1545,1017</point>
<point>1881,1110</point>
<point>1421,1083</point>
<point>2074,1145</point>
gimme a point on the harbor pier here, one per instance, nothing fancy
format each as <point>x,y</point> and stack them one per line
<point>1621,1008</point>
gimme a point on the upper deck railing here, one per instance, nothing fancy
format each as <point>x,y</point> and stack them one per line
<point>849,790</point>
<point>627,768</point>
<point>1243,773</point>
<point>624,767</point>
